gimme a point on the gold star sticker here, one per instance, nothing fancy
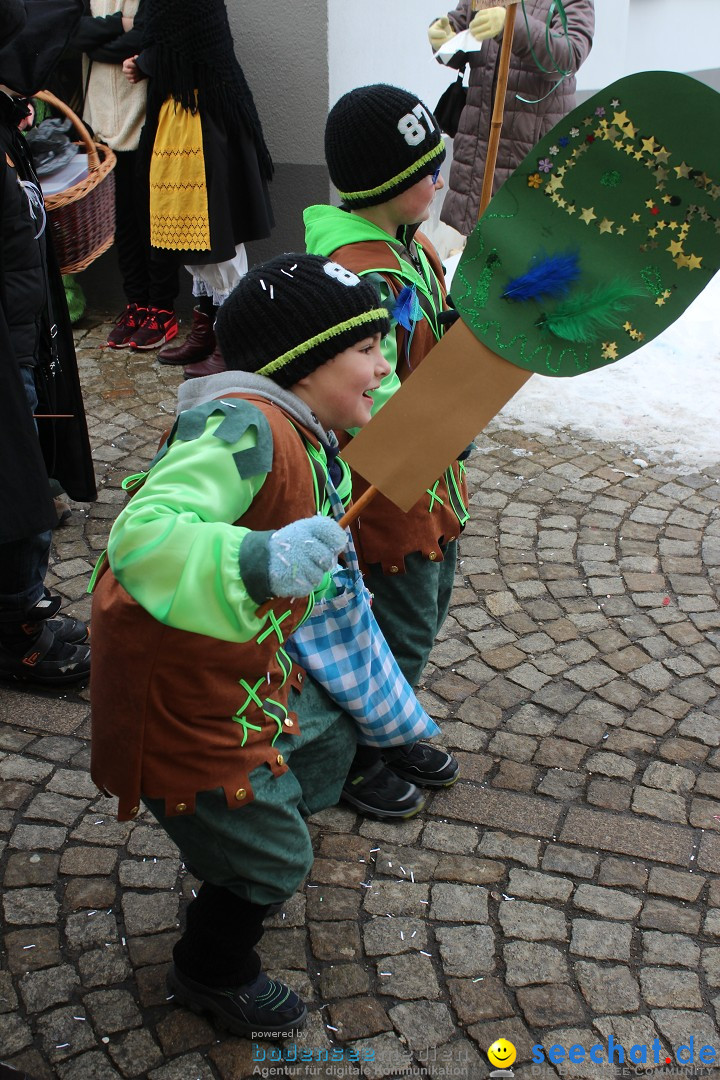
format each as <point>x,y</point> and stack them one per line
<point>588,214</point>
<point>587,121</point>
<point>681,261</point>
<point>628,149</point>
<point>605,226</point>
<point>561,202</point>
<point>694,262</point>
<point>555,197</point>
<point>648,145</point>
<point>612,134</point>
<point>715,191</point>
<point>661,174</point>
<point>609,350</point>
<point>662,225</point>
<point>635,217</point>
<point>620,230</point>
<point>667,293</point>
<point>674,247</point>
<point>660,302</point>
<point>672,224</point>
<point>570,208</point>
<point>630,130</point>
<point>638,155</point>
<point>667,198</point>
<point>682,170</point>
<point>649,203</point>
<point>662,155</point>
<point>621,119</point>
<point>627,326</point>
<point>652,233</point>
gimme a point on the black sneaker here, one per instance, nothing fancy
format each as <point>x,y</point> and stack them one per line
<point>263,1008</point>
<point>47,612</point>
<point>424,764</point>
<point>43,659</point>
<point>379,792</point>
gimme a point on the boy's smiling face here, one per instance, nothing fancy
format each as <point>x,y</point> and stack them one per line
<point>338,392</point>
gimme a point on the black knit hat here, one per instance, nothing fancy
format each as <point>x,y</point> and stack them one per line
<point>379,141</point>
<point>292,314</point>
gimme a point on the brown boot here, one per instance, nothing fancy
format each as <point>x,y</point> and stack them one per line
<point>212,365</point>
<point>199,343</point>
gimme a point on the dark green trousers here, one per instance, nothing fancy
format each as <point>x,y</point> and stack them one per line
<point>262,851</point>
<point>410,608</point>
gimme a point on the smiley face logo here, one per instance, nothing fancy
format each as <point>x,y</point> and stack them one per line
<point>502,1053</point>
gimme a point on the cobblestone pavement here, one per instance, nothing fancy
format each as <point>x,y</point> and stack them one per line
<point>563,892</point>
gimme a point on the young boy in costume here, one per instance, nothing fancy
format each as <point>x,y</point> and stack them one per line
<point>212,564</point>
<point>384,150</point>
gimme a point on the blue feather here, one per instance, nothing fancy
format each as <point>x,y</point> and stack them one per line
<point>548,275</point>
<point>407,310</point>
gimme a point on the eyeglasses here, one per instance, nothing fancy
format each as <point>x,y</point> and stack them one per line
<point>436,175</point>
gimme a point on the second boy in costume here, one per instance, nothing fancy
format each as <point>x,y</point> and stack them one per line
<point>384,150</point>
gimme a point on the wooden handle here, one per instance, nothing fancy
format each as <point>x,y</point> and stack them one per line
<point>498,109</point>
<point>93,157</point>
<point>358,506</point>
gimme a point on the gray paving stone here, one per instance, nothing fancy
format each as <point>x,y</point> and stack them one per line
<point>666,988</point>
<point>626,835</point>
<point>608,903</point>
<point>528,963</point>
<point>534,886</point>
<point>409,976</point>
<point>678,949</point>
<point>532,922</point>
<point>608,988</point>
<point>518,848</point>
<point>53,986</point>
<point>661,915</point>
<point>466,950</point>
<point>424,1024</point>
<point>600,940</point>
<point>666,882</point>
<point>459,903</point>
<point>30,907</point>
<point>570,861</point>
<point>677,1025</point>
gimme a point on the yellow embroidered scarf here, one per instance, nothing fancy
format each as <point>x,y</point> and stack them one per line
<point>178,189</point>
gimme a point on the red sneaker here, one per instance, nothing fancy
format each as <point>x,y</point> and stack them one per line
<point>158,327</point>
<point>127,322</point>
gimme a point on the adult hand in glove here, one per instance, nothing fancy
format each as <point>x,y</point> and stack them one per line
<point>488,23</point>
<point>301,554</point>
<point>439,32</point>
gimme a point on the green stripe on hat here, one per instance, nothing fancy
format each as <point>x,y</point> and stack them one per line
<point>370,193</point>
<point>326,335</point>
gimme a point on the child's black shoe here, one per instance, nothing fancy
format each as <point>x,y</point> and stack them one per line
<point>424,765</point>
<point>380,792</point>
<point>263,1008</point>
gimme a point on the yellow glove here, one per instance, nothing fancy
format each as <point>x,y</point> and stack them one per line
<point>439,32</point>
<point>487,23</point>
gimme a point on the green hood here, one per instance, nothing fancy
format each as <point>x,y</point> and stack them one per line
<point>328,227</point>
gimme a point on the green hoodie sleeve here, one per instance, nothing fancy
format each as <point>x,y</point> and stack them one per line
<point>174,547</point>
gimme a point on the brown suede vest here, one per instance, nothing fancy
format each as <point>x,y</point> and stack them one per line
<point>383,533</point>
<point>167,704</point>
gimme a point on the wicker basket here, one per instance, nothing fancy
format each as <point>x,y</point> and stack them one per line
<point>82,217</point>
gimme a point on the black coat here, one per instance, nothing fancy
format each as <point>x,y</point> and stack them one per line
<point>36,333</point>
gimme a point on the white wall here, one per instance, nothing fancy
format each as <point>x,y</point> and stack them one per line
<point>381,41</point>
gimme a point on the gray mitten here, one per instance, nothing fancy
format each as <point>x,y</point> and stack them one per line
<point>301,554</point>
